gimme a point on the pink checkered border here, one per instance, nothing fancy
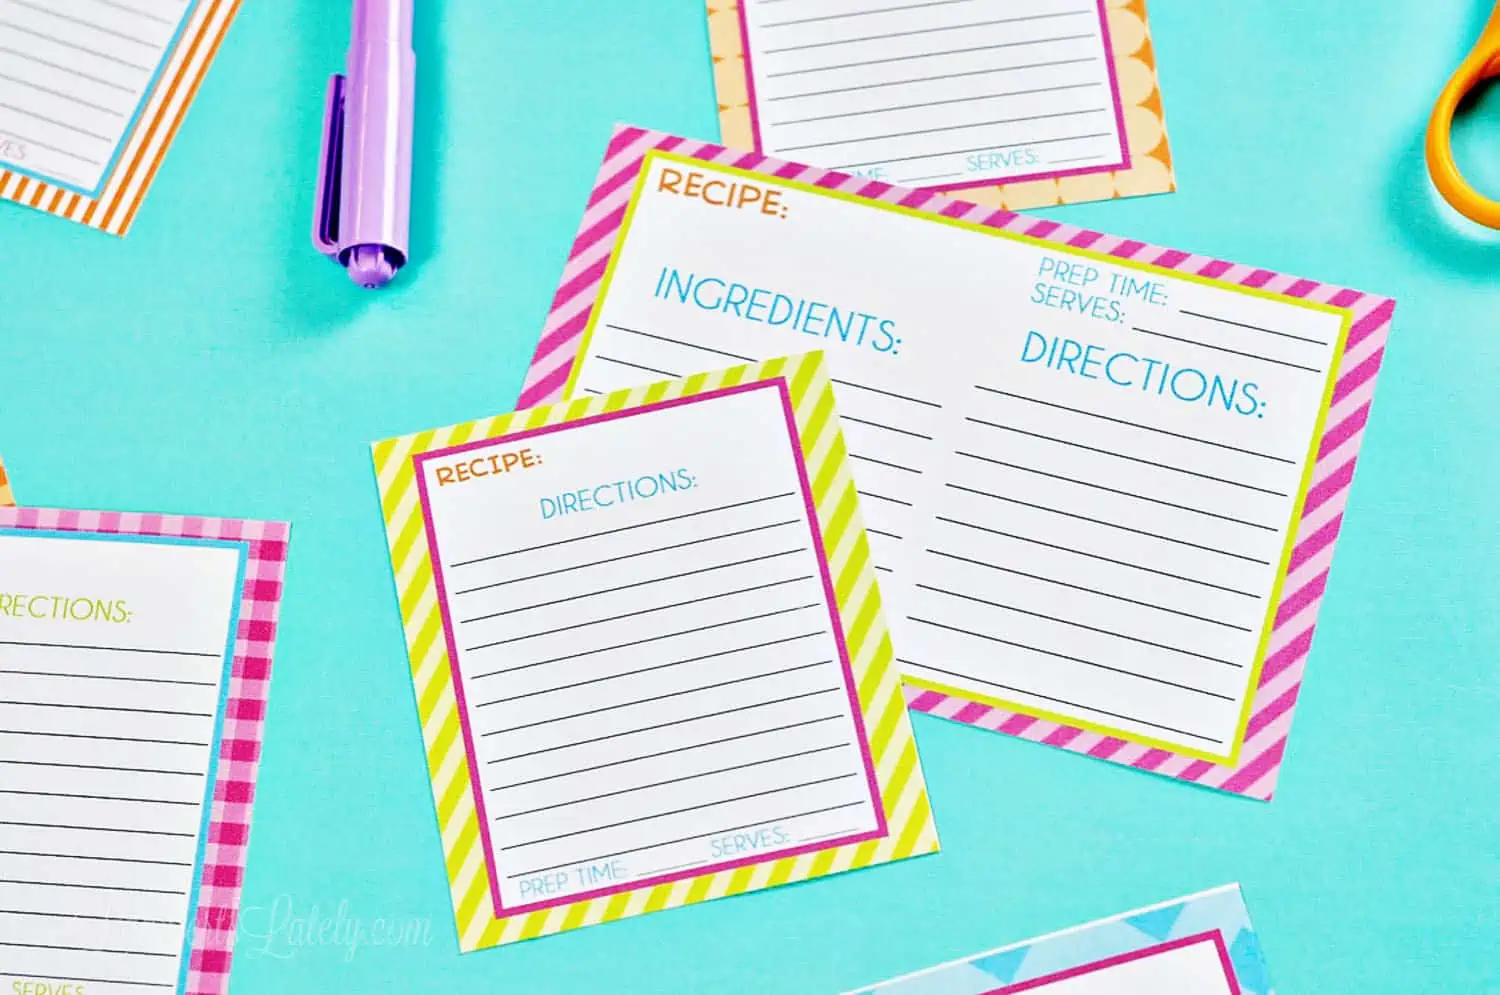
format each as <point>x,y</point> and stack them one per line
<point>1259,766</point>
<point>223,869</point>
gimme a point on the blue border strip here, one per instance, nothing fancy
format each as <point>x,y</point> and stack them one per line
<point>114,159</point>
<point>217,743</point>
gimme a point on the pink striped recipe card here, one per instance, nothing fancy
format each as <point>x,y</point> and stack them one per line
<point>135,658</point>
<point>1020,103</point>
<point>1102,479</point>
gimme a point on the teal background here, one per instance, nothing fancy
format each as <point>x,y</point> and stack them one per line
<point>212,363</point>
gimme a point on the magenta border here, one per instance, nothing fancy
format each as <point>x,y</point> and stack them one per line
<point>1114,88</point>
<point>883,828</point>
<point>1213,936</point>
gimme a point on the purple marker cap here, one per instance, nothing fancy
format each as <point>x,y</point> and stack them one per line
<point>363,206</point>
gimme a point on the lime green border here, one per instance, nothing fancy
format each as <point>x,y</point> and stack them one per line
<point>1232,758</point>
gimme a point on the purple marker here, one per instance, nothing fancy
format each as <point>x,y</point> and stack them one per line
<point>364,185</point>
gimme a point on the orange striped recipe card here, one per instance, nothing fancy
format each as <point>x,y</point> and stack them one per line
<point>95,93</point>
<point>7,499</point>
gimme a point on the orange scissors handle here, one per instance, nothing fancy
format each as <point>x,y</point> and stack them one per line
<point>1483,63</point>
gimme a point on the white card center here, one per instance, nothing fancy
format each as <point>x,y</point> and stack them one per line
<point>1079,476</point>
<point>112,663</point>
<point>650,668</point>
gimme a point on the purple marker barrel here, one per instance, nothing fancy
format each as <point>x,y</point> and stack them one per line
<point>365,187</point>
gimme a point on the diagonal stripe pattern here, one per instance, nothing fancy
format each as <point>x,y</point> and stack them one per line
<point>877,679</point>
<point>1369,320</point>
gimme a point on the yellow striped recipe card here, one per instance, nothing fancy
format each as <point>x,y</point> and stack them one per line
<point>649,653</point>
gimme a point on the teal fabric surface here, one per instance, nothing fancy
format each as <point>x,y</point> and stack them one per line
<point>212,363</point>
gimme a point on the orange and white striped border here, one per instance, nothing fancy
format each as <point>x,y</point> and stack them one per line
<point>115,209</point>
<point>7,497</point>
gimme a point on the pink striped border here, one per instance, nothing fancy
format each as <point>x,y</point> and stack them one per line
<point>1312,555</point>
<point>244,712</point>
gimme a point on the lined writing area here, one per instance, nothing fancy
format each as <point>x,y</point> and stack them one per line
<point>72,75</point>
<point>937,92</point>
<point>654,687</point>
<point>888,426</point>
<point>106,742</point>
<point>1109,556</point>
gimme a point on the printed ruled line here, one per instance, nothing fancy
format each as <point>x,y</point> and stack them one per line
<point>108,708</point>
<point>75,47</point>
<point>885,393</point>
<point>910,6</point>
<point>911,180</point>
<point>888,428</point>
<point>93,798</point>
<point>111,739</point>
<point>1137,459</point>
<point>982,148</point>
<point>1108,524</point>
<point>97,829</point>
<point>881,462</point>
<point>86,950</point>
<point>646,670</point>
<point>675,780</point>
<point>1131,424</point>
<point>1076,158</point>
<point>121,770</point>
<point>627,587</point>
<point>80,915</point>
<point>1060,701</point>
<point>926,55</point>
<point>681,811</point>
<point>64,96</point>
<point>663,753</point>
<point>97,981</point>
<point>656,639</point>
<point>668,725</point>
<point>637,614</point>
<point>938,30</point>
<point>932,79</point>
<point>883,534</point>
<point>955,127</point>
<point>679,342</point>
<point>64,69</point>
<point>110,649</point>
<point>106,677</point>
<point>81,856</point>
<point>1112,490</point>
<point>1095,556</point>
<point>1253,328</point>
<point>637,366</point>
<point>51,148</point>
<point>84,22</point>
<point>935,103</point>
<point>687,839</point>
<point>623,528</point>
<point>882,497</point>
<point>92,887</point>
<point>630,556</point>
<point>1232,352</point>
<point>1079,625</point>
<point>1091,590</point>
<point>133,10</point>
<point>646,701</point>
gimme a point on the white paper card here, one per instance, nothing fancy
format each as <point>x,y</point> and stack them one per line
<point>73,77</point>
<point>112,668</point>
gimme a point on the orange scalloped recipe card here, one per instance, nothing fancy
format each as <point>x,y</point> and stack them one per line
<point>1014,104</point>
